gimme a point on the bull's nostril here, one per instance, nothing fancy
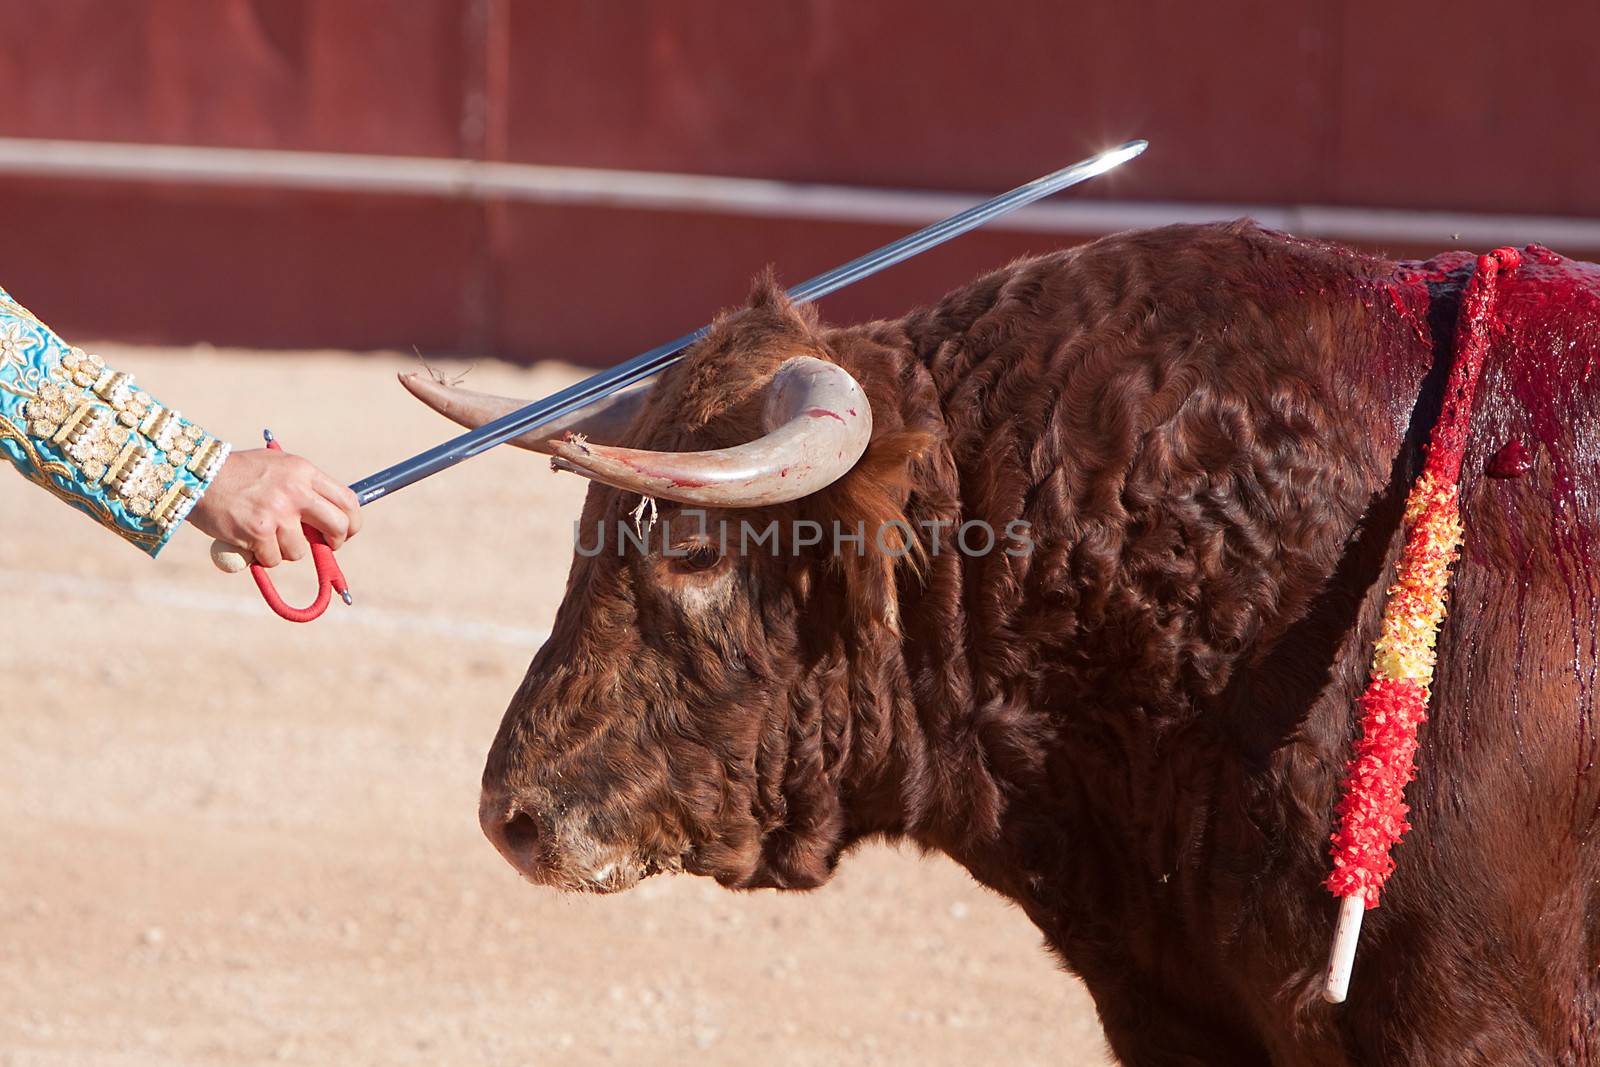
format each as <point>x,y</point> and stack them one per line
<point>513,827</point>
<point>521,833</point>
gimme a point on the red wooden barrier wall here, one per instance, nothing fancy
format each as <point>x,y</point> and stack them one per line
<point>1294,101</point>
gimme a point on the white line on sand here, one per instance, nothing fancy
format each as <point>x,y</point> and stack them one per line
<point>168,594</point>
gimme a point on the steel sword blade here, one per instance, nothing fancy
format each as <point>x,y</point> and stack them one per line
<point>514,424</point>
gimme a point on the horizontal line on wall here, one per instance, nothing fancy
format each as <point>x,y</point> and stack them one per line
<point>484,180</point>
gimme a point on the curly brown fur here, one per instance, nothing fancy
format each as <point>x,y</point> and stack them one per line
<point>1136,731</point>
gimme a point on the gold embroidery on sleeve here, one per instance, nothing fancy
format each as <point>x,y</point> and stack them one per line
<point>42,472</point>
<point>121,439</point>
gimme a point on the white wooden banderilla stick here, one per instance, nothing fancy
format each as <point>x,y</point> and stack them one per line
<point>1342,957</point>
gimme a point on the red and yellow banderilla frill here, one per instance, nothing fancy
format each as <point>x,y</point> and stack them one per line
<point>1372,813</point>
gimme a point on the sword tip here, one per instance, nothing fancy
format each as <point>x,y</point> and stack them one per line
<point>1112,158</point>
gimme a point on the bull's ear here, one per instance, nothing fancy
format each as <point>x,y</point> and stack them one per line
<point>908,431</point>
<point>869,527</point>
<point>768,298</point>
<point>874,495</point>
<point>765,292</point>
<point>905,457</point>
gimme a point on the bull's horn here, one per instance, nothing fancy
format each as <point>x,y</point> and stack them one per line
<point>605,420</point>
<point>817,421</point>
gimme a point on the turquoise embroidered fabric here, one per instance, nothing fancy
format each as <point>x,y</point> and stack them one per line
<point>81,430</point>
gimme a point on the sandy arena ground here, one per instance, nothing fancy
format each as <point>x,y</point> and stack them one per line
<point>228,840</point>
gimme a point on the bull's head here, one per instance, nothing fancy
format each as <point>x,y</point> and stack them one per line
<point>703,704</point>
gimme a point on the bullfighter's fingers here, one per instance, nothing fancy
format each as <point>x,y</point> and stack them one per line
<point>292,542</point>
<point>265,548</point>
<point>343,498</point>
<point>329,518</point>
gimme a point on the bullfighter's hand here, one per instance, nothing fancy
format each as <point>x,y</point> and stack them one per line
<point>260,497</point>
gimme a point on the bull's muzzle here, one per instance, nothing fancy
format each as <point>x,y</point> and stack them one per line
<point>552,844</point>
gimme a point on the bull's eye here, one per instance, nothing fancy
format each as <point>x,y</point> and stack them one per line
<point>693,558</point>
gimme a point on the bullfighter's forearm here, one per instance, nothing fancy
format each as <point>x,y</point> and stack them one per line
<point>82,431</point>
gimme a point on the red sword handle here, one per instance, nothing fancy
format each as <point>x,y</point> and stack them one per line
<point>330,579</point>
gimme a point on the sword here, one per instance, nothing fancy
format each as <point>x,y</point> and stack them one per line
<point>597,386</point>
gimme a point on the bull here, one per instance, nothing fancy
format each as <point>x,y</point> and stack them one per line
<point>1136,728</point>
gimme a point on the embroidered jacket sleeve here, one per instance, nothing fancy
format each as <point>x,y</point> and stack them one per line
<point>81,430</point>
